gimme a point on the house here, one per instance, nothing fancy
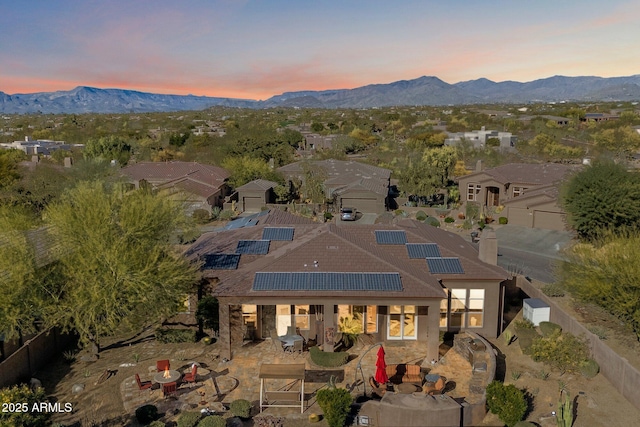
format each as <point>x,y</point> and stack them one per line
<point>197,185</point>
<point>350,183</point>
<point>255,195</point>
<point>40,146</point>
<point>479,138</point>
<point>402,282</point>
<point>528,193</point>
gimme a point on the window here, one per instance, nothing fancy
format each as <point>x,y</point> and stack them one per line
<point>476,308</point>
<point>518,191</point>
<point>473,190</point>
<point>458,299</point>
<point>467,305</point>
<point>249,314</point>
<point>302,316</point>
<point>444,310</point>
<point>362,318</point>
<point>402,322</point>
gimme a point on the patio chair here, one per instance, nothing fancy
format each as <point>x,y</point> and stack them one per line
<point>191,377</point>
<point>377,389</point>
<point>169,389</point>
<point>296,349</point>
<point>162,365</point>
<point>143,385</point>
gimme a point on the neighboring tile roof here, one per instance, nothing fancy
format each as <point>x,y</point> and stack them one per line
<point>335,168</point>
<point>170,171</point>
<point>257,184</point>
<point>353,249</point>
<point>527,173</point>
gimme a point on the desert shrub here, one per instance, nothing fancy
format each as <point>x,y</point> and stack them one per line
<point>240,408</point>
<point>201,216</point>
<point>189,236</point>
<point>523,324</point>
<point>421,215</point>
<point>328,216</point>
<point>157,423</point>
<point>227,215</point>
<point>189,419</point>
<point>553,290</point>
<point>503,220</point>
<point>165,335</point>
<point>526,333</point>
<point>268,421</point>
<point>565,352</point>
<point>507,402</point>
<point>466,225</point>
<point>328,359</point>
<point>146,413</point>
<point>548,328</point>
<point>432,221</point>
<point>599,331</point>
<point>449,220</point>
<point>23,395</point>
<point>589,368</point>
<point>335,404</point>
<point>399,212</point>
<point>212,421</point>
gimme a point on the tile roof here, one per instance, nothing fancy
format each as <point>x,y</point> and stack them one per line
<point>257,184</point>
<point>333,249</point>
<point>170,171</point>
<point>527,173</point>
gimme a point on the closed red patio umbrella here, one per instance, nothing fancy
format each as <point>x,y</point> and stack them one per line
<point>381,368</point>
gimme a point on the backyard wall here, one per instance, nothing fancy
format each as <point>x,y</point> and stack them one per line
<point>32,356</point>
<point>624,377</point>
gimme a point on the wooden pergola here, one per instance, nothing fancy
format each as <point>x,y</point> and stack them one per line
<point>282,398</point>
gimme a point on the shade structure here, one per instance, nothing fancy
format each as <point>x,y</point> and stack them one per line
<point>381,367</point>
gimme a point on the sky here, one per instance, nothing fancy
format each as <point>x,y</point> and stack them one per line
<point>255,49</point>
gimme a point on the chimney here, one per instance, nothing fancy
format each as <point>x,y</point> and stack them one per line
<point>478,165</point>
<point>488,247</point>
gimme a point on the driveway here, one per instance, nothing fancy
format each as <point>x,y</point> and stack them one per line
<point>531,252</point>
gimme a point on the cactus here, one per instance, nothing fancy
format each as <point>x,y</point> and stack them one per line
<point>564,417</point>
<point>508,336</point>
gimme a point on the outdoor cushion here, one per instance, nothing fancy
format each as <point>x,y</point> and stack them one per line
<point>403,373</point>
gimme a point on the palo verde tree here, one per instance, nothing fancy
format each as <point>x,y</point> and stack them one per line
<point>603,196</point>
<point>606,273</point>
<point>108,148</point>
<point>20,278</point>
<point>119,268</point>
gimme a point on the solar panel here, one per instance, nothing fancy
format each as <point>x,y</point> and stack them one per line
<point>391,237</point>
<point>253,247</point>
<point>221,261</point>
<point>278,233</point>
<point>327,281</point>
<point>423,250</point>
<point>445,265</point>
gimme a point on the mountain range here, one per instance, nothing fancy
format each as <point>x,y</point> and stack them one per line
<point>425,90</point>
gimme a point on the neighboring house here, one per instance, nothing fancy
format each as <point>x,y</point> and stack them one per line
<point>404,282</point>
<point>199,186</point>
<point>352,184</point>
<point>479,138</point>
<point>255,195</point>
<point>528,192</point>
<point>40,146</point>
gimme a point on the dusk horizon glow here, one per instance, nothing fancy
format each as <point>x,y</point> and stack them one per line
<point>255,49</point>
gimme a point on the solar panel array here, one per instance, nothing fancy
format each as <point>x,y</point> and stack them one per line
<point>278,233</point>
<point>326,281</point>
<point>423,250</point>
<point>445,265</point>
<point>253,247</point>
<point>391,237</point>
<point>221,261</point>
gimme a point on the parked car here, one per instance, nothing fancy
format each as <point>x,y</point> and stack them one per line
<point>348,214</point>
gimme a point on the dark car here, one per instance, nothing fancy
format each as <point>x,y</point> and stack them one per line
<point>348,214</point>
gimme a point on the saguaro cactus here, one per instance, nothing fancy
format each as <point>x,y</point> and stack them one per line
<point>564,417</point>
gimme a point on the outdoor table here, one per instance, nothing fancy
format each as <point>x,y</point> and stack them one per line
<point>288,340</point>
<point>173,377</point>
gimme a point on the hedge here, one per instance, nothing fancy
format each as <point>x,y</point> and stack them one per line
<point>328,359</point>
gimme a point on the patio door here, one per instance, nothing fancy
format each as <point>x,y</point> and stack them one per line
<point>402,322</point>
